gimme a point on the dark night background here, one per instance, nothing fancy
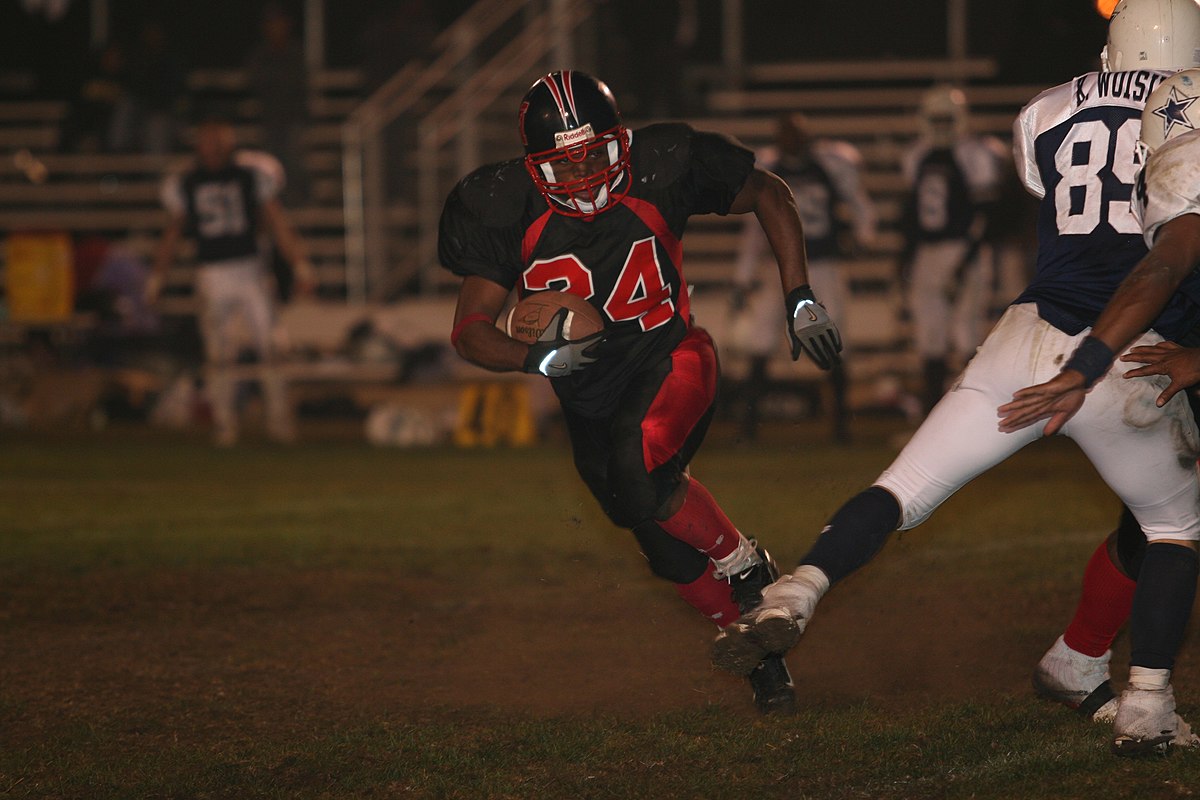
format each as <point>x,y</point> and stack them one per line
<point>1032,40</point>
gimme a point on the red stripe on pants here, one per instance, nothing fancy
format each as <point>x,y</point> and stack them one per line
<point>682,400</point>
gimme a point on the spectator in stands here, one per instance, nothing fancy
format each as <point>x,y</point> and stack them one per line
<point>278,78</point>
<point>954,178</point>
<point>224,200</point>
<point>158,84</point>
<point>838,217</point>
<point>99,117</point>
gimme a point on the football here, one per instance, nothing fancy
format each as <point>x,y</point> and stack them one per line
<point>529,318</point>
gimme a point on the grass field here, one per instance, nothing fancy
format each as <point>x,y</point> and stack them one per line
<point>337,621</point>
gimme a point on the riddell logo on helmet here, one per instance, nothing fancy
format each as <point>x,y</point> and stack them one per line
<point>576,137</point>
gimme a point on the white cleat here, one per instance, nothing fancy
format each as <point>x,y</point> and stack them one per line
<point>1077,681</point>
<point>773,627</point>
<point>741,646</point>
<point>1146,723</point>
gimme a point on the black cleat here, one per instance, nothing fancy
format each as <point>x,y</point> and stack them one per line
<point>774,692</point>
<point>747,585</point>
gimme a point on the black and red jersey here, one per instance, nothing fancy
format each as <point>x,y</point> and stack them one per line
<point>626,261</point>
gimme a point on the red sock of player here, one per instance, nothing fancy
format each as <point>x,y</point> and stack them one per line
<point>711,597</point>
<point>701,523</point>
<point>1103,606</point>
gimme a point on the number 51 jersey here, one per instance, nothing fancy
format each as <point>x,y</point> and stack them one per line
<point>625,261</point>
<point>1075,147</point>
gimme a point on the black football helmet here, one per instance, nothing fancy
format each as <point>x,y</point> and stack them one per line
<point>576,149</point>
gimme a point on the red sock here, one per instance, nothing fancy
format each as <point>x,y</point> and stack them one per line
<point>711,597</point>
<point>701,523</point>
<point>1103,606</point>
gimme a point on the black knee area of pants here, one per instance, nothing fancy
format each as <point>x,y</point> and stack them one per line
<point>670,558</point>
<point>637,495</point>
<point>1131,543</point>
<point>1162,604</point>
<point>855,533</point>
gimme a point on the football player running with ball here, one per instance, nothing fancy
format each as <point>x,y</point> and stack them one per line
<point>1167,200</point>
<point>598,210</point>
<point>1075,148</point>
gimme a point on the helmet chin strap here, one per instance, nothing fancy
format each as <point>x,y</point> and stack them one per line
<point>1104,65</point>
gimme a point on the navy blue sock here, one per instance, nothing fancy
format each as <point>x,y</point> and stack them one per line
<point>855,533</point>
<point>1162,604</point>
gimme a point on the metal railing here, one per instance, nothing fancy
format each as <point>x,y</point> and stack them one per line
<point>468,67</point>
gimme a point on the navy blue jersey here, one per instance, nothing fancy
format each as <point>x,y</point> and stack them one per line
<point>220,208</point>
<point>626,261</point>
<point>1075,146</point>
<point>222,213</point>
<point>817,200</point>
<point>943,207</point>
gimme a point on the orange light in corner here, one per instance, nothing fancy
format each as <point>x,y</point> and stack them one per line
<point>1105,7</point>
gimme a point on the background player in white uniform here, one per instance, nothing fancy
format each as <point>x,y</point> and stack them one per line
<point>1168,203</point>
<point>824,176</point>
<point>953,177</point>
<point>1075,147</point>
<point>225,199</point>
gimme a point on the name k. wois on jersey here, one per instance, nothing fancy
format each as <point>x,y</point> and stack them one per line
<point>1075,147</point>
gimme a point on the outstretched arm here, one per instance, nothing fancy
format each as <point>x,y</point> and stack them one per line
<point>770,199</point>
<point>810,329</point>
<point>1139,299</point>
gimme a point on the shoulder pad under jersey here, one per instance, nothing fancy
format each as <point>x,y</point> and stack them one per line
<point>660,152</point>
<point>1171,184</point>
<point>497,194</point>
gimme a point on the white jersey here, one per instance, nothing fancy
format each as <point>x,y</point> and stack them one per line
<point>1074,146</point>
<point>1169,186</point>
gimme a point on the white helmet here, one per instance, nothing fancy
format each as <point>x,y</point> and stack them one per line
<point>1153,34</point>
<point>943,113</point>
<point>1170,110</point>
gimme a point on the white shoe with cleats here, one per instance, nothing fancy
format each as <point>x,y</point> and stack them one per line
<point>1147,723</point>
<point>741,646</point>
<point>774,626</point>
<point>1077,681</point>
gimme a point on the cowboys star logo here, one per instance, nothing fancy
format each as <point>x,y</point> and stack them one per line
<point>1175,112</point>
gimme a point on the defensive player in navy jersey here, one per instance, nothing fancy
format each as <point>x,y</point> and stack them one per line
<point>1167,200</point>
<point>598,210</point>
<point>225,199</point>
<point>954,177</point>
<point>1074,146</point>
<point>824,176</point>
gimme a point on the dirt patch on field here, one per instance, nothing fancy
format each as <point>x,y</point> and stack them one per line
<point>235,650</point>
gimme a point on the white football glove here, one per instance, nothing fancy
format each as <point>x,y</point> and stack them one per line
<point>554,356</point>
<point>810,329</point>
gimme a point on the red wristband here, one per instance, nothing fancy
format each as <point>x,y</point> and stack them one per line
<point>463,323</point>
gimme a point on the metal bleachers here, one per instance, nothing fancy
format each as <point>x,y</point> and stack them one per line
<point>117,194</point>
